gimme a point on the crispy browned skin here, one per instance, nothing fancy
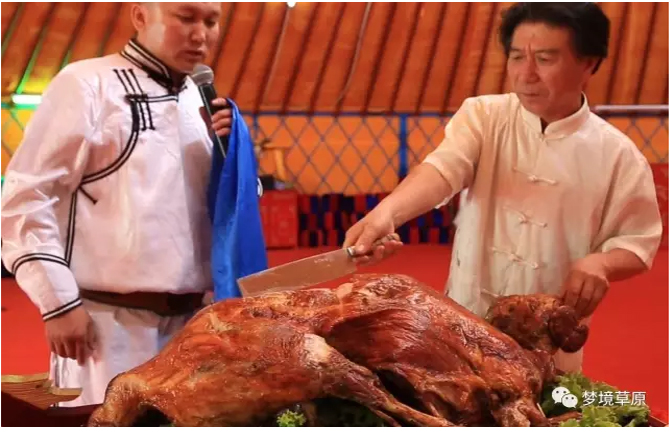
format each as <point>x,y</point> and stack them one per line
<point>384,341</point>
<point>446,360</point>
<point>238,364</point>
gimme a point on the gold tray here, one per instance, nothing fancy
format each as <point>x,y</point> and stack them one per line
<point>37,390</point>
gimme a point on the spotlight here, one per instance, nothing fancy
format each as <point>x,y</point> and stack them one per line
<point>26,99</point>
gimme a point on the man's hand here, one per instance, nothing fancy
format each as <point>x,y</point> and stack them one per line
<point>208,298</point>
<point>586,284</point>
<point>420,192</point>
<point>376,226</point>
<point>221,121</point>
<point>72,335</point>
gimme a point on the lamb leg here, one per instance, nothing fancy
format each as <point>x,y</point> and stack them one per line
<point>123,404</point>
<point>463,400</point>
<point>520,413</point>
<point>456,397</point>
<point>347,380</point>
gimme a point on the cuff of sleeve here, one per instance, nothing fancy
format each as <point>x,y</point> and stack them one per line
<point>646,256</point>
<point>49,284</point>
<point>435,161</point>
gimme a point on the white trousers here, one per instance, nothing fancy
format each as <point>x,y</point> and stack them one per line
<point>572,362</point>
<point>569,362</point>
<point>126,339</point>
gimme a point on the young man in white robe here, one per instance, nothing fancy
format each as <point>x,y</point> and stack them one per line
<point>104,214</point>
<point>556,200</point>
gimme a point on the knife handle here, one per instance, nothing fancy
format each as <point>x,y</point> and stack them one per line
<point>351,250</point>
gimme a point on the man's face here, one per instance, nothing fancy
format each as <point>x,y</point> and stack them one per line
<point>545,71</point>
<point>180,34</point>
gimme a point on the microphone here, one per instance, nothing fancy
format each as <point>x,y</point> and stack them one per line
<point>203,77</point>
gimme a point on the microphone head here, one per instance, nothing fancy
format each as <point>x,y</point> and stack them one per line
<point>202,74</point>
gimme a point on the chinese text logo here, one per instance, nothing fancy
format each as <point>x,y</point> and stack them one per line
<point>562,395</point>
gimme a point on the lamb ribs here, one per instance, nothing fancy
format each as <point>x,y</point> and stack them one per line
<point>386,342</point>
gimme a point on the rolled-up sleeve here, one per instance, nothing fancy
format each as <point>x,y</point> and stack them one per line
<point>457,155</point>
<point>40,185</point>
<point>631,217</point>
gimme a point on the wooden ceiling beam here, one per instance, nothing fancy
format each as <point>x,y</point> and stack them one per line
<point>447,69</point>
<point>11,28</point>
<point>433,52</point>
<point>301,57</point>
<point>612,77</point>
<point>380,56</point>
<point>485,50</point>
<point>326,59</point>
<point>110,29</point>
<point>222,36</point>
<point>454,64</point>
<point>269,69</point>
<point>354,59</point>
<point>403,65</point>
<point>74,36</point>
<point>247,52</point>
<point>645,57</point>
<point>37,48</point>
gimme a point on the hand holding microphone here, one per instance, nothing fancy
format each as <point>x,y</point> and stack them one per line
<point>221,119</point>
<point>215,112</point>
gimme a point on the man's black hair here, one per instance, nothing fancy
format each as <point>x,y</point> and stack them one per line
<point>588,24</point>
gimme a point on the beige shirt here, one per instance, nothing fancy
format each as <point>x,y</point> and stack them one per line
<point>533,203</point>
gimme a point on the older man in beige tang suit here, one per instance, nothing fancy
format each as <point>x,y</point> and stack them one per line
<point>556,200</point>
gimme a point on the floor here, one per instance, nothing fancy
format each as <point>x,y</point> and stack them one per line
<point>627,347</point>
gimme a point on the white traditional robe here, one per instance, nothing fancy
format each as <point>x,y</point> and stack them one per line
<point>534,202</point>
<point>107,192</point>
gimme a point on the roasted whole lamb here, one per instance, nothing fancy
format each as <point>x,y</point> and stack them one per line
<point>387,342</point>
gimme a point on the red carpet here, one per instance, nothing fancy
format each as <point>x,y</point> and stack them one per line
<point>627,347</point>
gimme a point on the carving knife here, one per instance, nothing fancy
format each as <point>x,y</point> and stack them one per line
<point>299,274</point>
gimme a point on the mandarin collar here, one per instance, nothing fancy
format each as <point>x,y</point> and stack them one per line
<point>141,57</point>
<point>561,128</point>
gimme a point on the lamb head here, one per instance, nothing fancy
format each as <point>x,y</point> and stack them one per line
<point>539,322</point>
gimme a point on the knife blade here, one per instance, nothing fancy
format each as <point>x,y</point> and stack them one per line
<point>299,274</point>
